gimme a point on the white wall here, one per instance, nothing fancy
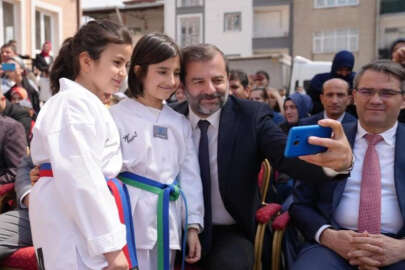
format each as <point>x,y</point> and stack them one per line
<point>169,18</point>
<point>271,21</point>
<point>231,43</point>
<point>396,20</point>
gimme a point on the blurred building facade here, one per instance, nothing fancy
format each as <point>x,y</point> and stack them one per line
<point>241,28</point>
<point>324,27</point>
<point>32,22</point>
<point>139,16</point>
<point>392,25</point>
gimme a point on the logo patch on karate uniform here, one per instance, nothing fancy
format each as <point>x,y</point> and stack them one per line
<point>160,132</point>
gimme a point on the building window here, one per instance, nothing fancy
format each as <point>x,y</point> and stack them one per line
<point>336,40</point>
<point>334,3</point>
<point>189,3</point>
<point>43,28</point>
<point>390,35</point>
<point>9,22</point>
<point>189,30</point>
<point>232,22</point>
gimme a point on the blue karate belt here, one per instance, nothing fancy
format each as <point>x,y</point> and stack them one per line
<point>166,193</point>
<point>120,194</point>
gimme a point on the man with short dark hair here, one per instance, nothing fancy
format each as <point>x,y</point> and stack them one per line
<point>233,136</point>
<point>7,51</point>
<point>359,223</point>
<point>239,84</point>
<point>334,98</point>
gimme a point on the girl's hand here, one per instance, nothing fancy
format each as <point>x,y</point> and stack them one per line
<point>34,175</point>
<point>116,260</point>
<point>194,246</point>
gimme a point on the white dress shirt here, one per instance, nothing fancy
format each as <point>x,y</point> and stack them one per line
<point>340,119</point>
<point>220,215</point>
<point>346,214</point>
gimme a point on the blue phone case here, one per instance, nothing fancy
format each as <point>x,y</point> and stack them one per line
<point>297,141</point>
<point>8,66</point>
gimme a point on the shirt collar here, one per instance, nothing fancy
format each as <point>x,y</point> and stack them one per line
<point>340,119</point>
<point>388,135</point>
<point>213,118</point>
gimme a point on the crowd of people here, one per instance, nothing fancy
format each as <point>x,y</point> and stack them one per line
<point>181,148</point>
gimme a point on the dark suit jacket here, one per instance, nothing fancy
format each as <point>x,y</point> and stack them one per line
<point>13,147</point>
<point>41,64</point>
<point>314,205</point>
<point>247,136</point>
<point>313,120</point>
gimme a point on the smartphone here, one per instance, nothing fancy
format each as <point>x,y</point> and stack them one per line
<point>8,66</point>
<point>297,140</point>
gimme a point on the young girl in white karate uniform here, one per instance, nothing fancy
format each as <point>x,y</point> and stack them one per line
<point>74,219</point>
<point>156,144</point>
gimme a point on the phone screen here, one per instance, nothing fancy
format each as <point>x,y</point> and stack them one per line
<point>297,140</point>
<point>8,66</point>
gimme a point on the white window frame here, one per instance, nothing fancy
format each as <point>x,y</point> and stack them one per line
<point>179,17</point>
<point>19,23</point>
<point>336,3</point>
<point>198,4</point>
<point>56,25</point>
<point>320,40</point>
<point>236,13</point>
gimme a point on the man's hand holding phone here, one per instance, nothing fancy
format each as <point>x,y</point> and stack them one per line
<point>338,155</point>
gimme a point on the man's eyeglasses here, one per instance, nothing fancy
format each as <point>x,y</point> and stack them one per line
<point>383,93</point>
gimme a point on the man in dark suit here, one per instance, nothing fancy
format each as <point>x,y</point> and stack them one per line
<point>13,147</point>
<point>335,99</point>
<point>233,137</point>
<point>359,223</point>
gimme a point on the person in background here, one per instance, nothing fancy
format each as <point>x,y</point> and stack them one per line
<point>262,79</point>
<point>342,67</point>
<point>260,95</point>
<point>239,84</point>
<point>43,62</point>
<point>13,147</point>
<point>275,100</point>
<point>15,231</point>
<point>297,106</point>
<point>17,112</point>
<point>283,92</point>
<point>44,59</point>
<point>398,55</point>
<point>18,78</point>
<point>334,98</point>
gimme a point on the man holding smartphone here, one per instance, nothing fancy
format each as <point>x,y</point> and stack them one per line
<point>359,222</point>
<point>233,137</point>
